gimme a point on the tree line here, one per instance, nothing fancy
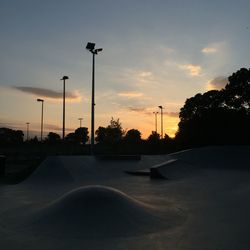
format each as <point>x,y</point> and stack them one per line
<point>110,139</point>
<point>212,118</point>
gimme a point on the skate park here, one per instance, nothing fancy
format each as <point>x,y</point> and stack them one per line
<point>199,199</point>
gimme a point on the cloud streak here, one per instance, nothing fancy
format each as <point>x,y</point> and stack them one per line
<point>130,94</point>
<point>149,111</point>
<point>213,48</point>
<point>209,50</point>
<point>53,127</point>
<point>139,110</point>
<point>48,93</point>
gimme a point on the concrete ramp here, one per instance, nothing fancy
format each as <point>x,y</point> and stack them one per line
<point>78,169</point>
<point>51,170</point>
<point>172,170</point>
<point>228,157</point>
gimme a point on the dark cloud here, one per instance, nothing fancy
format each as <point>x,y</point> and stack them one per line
<point>33,127</point>
<point>147,111</point>
<point>218,83</point>
<point>139,109</point>
<point>11,125</point>
<point>52,127</point>
<point>46,92</point>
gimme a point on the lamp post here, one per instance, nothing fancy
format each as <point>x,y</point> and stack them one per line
<point>91,48</point>
<point>161,108</point>
<point>155,120</point>
<point>27,123</point>
<point>80,119</point>
<point>63,128</point>
<point>42,101</point>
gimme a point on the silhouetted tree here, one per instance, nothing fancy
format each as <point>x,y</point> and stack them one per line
<point>53,137</point>
<point>153,143</point>
<point>110,135</point>
<point>218,117</point>
<point>70,137</point>
<point>100,135</point>
<point>10,136</point>
<point>238,90</point>
<point>154,137</point>
<point>81,135</point>
<point>133,136</point>
<point>132,142</point>
<point>33,140</point>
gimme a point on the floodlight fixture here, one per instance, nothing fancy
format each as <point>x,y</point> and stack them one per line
<point>90,46</point>
<point>99,50</point>
<point>40,100</point>
<point>65,78</point>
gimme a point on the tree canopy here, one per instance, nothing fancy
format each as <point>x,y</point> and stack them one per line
<point>53,137</point>
<point>80,136</point>
<point>218,116</point>
<point>10,136</point>
<point>133,136</point>
<point>112,134</point>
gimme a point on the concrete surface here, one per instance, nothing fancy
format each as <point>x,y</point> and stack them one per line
<point>78,202</point>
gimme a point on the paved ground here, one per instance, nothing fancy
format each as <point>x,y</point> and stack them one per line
<point>78,202</point>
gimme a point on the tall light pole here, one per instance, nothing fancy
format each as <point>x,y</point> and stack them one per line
<point>91,47</point>
<point>27,123</point>
<point>42,101</point>
<point>80,119</point>
<point>155,120</point>
<point>63,128</point>
<point>161,108</point>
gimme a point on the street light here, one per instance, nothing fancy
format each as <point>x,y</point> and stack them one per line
<point>156,120</point>
<point>27,123</point>
<point>161,108</point>
<point>80,119</point>
<point>42,101</point>
<point>63,129</point>
<point>91,48</point>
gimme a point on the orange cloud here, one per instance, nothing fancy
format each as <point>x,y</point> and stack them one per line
<point>193,70</point>
<point>130,94</point>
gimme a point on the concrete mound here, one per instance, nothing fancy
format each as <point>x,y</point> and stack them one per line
<point>99,211</point>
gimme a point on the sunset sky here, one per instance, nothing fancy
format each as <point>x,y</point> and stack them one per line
<point>156,52</point>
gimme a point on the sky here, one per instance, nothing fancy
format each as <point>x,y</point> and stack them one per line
<point>155,52</point>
